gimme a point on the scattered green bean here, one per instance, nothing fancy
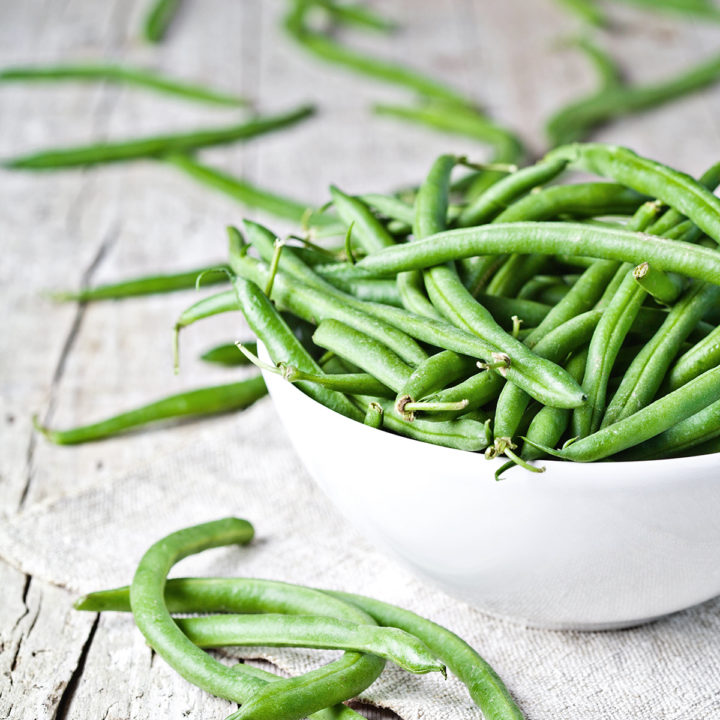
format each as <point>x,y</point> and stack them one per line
<point>147,285</point>
<point>155,146</point>
<point>202,402</point>
<point>158,19</point>
<point>121,74</point>
<point>227,354</point>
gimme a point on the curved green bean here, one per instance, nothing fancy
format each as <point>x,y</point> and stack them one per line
<point>326,48</point>
<point>187,595</point>
<point>293,698</point>
<point>503,193</point>
<point>575,121</point>
<point>674,188</point>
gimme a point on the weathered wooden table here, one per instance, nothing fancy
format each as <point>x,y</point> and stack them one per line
<point>72,363</point>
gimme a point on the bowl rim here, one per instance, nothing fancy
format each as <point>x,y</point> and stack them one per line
<point>639,478</point>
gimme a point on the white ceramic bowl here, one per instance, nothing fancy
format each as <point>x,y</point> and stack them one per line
<point>581,546</point>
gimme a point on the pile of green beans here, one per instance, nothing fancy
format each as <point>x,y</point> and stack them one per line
<point>473,366</point>
<point>248,612</point>
<point>427,330</point>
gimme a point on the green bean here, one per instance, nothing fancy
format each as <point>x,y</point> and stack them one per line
<point>430,216</point>
<point>119,599</point>
<point>580,200</point>
<point>159,18</point>
<point>621,304</point>
<point>328,49</point>
<point>155,146</point>
<point>462,120</point>
<point>674,188</point>
<point>227,354</point>
<point>351,383</point>
<point>205,308</point>
<point>369,231</point>
<point>664,287</point>
<point>374,415</point>
<point>555,346</point>
<point>503,193</point>
<point>309,631</point>
<point>671,218</point>
<point>147,285</point>
<point>618,316</point>
<point>461,434</point>
<point>608,72</point>
<point>357,15</point>
<point>91,72</point>
<point>369,354</point>
<point>503,309</point>
<point>648,422</point>
<point>188,595</point>
<point>536,284</point>
<point>486,688</point>
<point>698,429</point>
<point>643,378</point>
<point>703,356</point>
<point>550,424</point>
<point>252,196</point>
<point>317,303</point>
<point>515,271</point>
<point>576,120</point>
<point>543,379</point>
<point>586,10</point>
<point>607,339</point>
<point>705,448</point>
<point>379,291</point>
<point>390,206</point>
<point>478,390</point>
<point>201,402</point>
<point>432,375</point>
<point>702,9</point>
<point>547,238</point>
<point>292,698</point>
<point>282,345</point>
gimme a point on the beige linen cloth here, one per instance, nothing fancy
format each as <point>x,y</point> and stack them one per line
<point>668,670</point>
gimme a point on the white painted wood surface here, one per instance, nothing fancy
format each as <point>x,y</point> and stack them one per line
<point>71,364</point>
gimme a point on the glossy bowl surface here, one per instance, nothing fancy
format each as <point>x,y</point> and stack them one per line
<point>581,546</point>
